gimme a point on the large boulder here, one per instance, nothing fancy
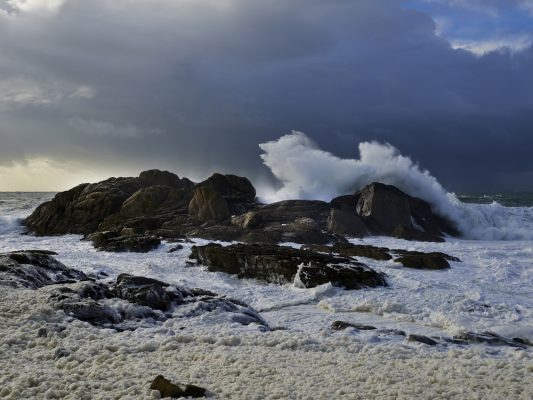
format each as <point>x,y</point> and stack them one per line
<point>232,187</point>
<point>156,177</point>
<point>386,210</point>
<point>280,264</point>
<point>208,205</point>
<point>346,223</point>
<point>119,243</point>
<point>81,209</point>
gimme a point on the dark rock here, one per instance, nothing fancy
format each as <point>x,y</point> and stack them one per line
<point>490,338</point>
<point>286,212</point>
<point>232,187</point>
<point>83,208</point>
<point>92,311</point>
<point>42,332</point>
<point>406,233</point>
<point>341,325</point>
<point>346,223</point>
<point>354,250</point>
<point>386,210</point>
<point>422,339</point>
<point>384,206</point>
<point>208,205</point>
<point>147,292</point>
<point>169,389</point>
<point>148,199</point>
<point>33,269</point>
<point>423,261</point>
<point>279,264</point>
<point>111,241</point>
<point>347,203</point>
<point>156,177</point>
<point>175,248</point>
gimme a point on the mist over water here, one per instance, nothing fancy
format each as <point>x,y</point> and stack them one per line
<point>307,172</point>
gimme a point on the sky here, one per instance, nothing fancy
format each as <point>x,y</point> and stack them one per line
<point>92,89</point>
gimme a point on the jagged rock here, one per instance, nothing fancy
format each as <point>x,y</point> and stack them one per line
<point>156,177</point>
<point>424,261</point>
<point>175,248</point>
<point>346,223</point>
<point>112,241</point>
<point>406,233</point>
<point>347,203</point>
<point>231,187</point>
<point>422,339</point>
<point>208,205</point>
<point>388,211</point>
<point>147,292</point>
<point>34,269</point>
<point>148,199</point>
<point>249,220</point>
<point>354,250</point>
<point>280,264</point>
<point>341,325</point>
<point>492,339</point>
<point>169,389</point>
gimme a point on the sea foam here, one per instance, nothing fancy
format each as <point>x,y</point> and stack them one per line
<point>307,172</point>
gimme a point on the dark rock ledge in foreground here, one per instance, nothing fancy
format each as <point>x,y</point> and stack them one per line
<point>125,304</point>
<point>280,264</point>
<point>135,212</point>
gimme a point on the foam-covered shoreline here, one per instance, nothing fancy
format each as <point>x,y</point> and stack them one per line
<point>98,363</point>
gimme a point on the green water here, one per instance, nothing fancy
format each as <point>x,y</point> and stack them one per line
<point>508,199</point>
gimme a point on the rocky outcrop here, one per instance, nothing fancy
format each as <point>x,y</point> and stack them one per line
<point>176,391</point>
<point>34,269</point>
<point>280,264</point>
<point>115,242</point>
<point>208,205</point>
<point>409,259</point>
<point>127,303</point>
<point>224,207</point>
<point>155,177</point>
<point>388,211</point>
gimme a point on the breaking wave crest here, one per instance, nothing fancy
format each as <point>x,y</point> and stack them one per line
<point>307,172</point>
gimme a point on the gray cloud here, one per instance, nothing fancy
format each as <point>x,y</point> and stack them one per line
<point>195,86</point>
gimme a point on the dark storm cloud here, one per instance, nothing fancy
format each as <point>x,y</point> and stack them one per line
<point>195,85</point>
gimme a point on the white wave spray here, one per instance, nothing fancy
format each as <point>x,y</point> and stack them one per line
<point>307,172</point>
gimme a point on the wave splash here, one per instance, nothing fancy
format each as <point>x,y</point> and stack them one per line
<point>308,172</point>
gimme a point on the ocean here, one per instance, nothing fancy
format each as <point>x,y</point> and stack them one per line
<point>489,291</point>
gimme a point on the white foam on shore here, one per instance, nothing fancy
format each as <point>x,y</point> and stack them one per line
<point>78,361</point>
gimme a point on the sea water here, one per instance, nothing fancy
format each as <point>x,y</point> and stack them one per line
<point>490,290</point>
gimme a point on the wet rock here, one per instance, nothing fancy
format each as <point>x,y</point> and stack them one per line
<point>388,211</point>
<point>33,269</point>
<point>175,248</point>
<point>147,292</point>
<point>81,209</point>
<point>42,332</point>
<point>422,339</point>
<point>280,264</point>
<point>91,311</point>
<point>169,389</point>
<point>156,177</point>
<point>423,261</point>
<point>346,223</point>
<point>111,241</point>
<point>233,188</point>
<point>491,339</point>
<point>341,325</point>
<point>208,205</point>
<point>355,250</point>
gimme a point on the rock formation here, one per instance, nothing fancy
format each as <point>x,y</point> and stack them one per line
<point>224,207</point>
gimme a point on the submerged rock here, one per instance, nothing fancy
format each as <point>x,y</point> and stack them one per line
<point>176,391</point>
<point>112,241</point>
<point>341,325</point>
<point>280,264</point>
